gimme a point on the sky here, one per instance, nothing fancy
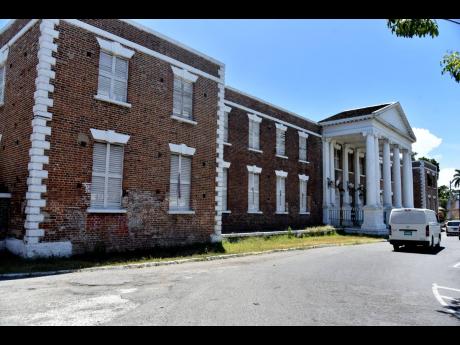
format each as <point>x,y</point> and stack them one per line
<point>317,68</point>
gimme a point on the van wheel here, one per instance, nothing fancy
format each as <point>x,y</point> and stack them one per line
<point>396,247</point>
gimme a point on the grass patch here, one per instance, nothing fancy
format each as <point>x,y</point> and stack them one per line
<point>323,235</point>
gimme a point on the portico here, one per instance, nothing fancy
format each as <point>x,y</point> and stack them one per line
<point>367,167</point>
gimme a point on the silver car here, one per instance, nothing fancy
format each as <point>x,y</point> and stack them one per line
<point>452,227</point>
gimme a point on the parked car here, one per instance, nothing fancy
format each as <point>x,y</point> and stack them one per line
<point>452,227</point>
<point>414,226</point>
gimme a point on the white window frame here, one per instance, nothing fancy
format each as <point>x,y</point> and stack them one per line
<point>281,141</point>
<point>182,150</point>
<point>254,120</point>
<point>184,76</point>
<point>303,182</point>
<point>109,138</point>
<point>303,141</point>
<point>252,172</point>
<point>116,51</point>
<point>281,207</point>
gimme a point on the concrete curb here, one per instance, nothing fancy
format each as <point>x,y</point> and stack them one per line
<point>171,262</point>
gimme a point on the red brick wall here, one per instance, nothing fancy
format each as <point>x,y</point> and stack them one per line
<point>15,120</point>
<point>147,154</point>
<point>239,156</point>
<point>155,43</point>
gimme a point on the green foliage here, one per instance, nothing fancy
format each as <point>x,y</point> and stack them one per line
<point>426,27</point>
<point>456,180</point>
<point>413,27</point>
<point>451,64</point>
<point>289,232</point>
<point>431,160</point>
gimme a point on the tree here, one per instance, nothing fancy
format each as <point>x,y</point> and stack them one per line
<point>430,160</point>
<point>422,27</point>
<point>456,180</point>
<point>443,196</point>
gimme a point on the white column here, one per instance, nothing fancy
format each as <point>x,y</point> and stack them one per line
<point>326,172</point>
<point>407,180</point>
<point>332,172</point>
<point>345,176</point>
<point>396,177</point>
<point>371,199</point>
<point>377,170</point>
<point>357,176</point>
<point>386,175</point>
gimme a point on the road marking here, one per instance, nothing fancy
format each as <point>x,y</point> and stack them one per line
<point>447,288</point>
<point>437,295</point>
<point>457,265</point>
<point>447,297</point>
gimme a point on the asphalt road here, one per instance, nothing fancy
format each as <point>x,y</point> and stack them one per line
<point>353,285</point>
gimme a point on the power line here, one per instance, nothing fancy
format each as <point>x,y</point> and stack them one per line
<point>452,21</point>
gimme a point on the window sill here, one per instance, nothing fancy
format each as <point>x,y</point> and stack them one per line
<point>280,156</point>
<point>228,144</point>
<point>109,100</point>
<point>281,212</point>
<point>106,210</point>
<point>226,211</point>
<point>183,119</point>
<point>180,212</point>
<point>255,212</point>
<point>255,150</point>
<point>304,213</point>
<point>305,162</point>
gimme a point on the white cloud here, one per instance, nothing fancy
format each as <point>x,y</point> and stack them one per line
<point>446,175</point>
<point>426,142</point>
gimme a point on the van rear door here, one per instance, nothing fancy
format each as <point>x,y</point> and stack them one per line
<point>408,224</point>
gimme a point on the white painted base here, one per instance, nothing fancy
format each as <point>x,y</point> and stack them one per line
<point>373,221</point>
<point>216,238</point>
<point>325,215</point>
<point>39,250</point>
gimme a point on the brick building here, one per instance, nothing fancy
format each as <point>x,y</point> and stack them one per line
<point>114,137</point>
<point>425,185</point>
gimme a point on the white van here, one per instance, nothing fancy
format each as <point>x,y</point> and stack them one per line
<point>414,226</point>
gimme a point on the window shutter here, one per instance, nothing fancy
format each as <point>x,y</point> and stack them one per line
<point>224,190</point>
<point>174,182</point>
<point>98,178</point>
<point>256,192</point>
<point>302,148</point>
<point>113,77</point>
<point>183,98</point>
<point>179,192</point>
<point>280,194</point>
<point>226,127</point>
<point>253,192</point>
<point>280,142</point>
<point>115,173</point>
<point>187,99</point>
<point>105,62</point>
<point>250,135</point>
<point>185,177</point>
<point>283,195</point>
<point>303,196</point>
<point>256,136</point>
<point>121,68</point>
<point>2,83</point>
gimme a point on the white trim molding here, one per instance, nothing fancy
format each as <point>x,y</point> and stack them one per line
<point>184,74</point>
<point>106,210</point>
<point>4,55</point>
<point>281,127</point>
<point>255,118</point>
<point>226,165</point>
<point>183,119</point>
<point>281,173</point>
<point>113,101</point>
<point>115,48</point>
<point>254,169</point>
<point>303,177</point>
<point>227,109</point>
<point>109,136</point>
<point>182,149</point>
<point>302,134</point>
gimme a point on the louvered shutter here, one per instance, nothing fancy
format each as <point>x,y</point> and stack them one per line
<point>105,74</point>
<point>98,177</point>
<point>251,192</point>
<point>256,192</point>
<point>114,176</point>
<point>187,99</point>
<point>253,135</point>
<point>174,183</point>
<point>280,194</point>
<point>177,97</point>
<point>256,135</point>
<point>226,127</point>
<point>250,135</point>
<point>113,77</point>
<point>303,196</point>
<point>224,189</point>
<point>302,148</point>
<point>2,83</point>
<point>283,194</point>
<point>185,178</point>
<point>280,142</point>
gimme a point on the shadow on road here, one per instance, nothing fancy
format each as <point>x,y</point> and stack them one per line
<point>420,250</point>
<point>453,309</point>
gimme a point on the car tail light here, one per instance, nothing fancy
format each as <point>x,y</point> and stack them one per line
<point>427,231</point>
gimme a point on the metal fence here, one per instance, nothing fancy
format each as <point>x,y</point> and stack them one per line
<point>346,218</point>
